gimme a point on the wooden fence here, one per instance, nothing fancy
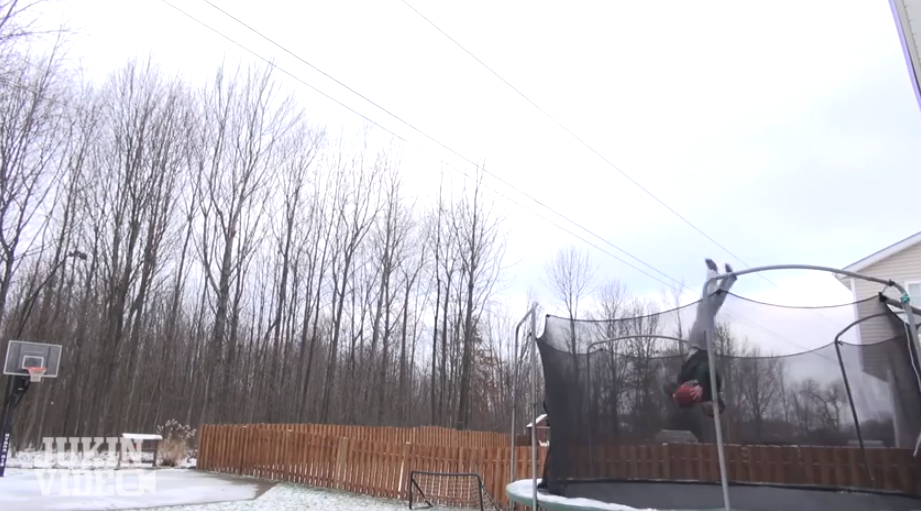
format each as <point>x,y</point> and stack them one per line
<point>425,435</point>
<point>364,463</point>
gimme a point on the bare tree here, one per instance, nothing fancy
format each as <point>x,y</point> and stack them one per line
<point>481,248</point>
<point>19,24</point>
<point>356,210</point>
<point>33,125</point>
<point>297,157</point>
<point>570,276</point>
<point>245,121</point>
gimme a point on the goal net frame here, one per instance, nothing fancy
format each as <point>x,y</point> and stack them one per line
<point>470,494</point>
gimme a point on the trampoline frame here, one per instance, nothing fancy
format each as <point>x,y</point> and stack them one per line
<point>905,301</point>
<point>532,347</point>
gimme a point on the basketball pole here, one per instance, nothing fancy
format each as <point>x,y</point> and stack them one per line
<point>16,387</point>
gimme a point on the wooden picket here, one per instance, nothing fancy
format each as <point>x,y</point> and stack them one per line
<point>377,461</point>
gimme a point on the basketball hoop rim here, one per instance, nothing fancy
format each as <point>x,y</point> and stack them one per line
<point>36,373</point>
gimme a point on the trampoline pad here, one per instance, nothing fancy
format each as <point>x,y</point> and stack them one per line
<point>680,496</point>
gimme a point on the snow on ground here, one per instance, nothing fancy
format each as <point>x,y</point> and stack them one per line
<point>293,497</point>
<point>523,490</point>
<point>104,490</point>
<point>30,458</point>
<point>34,484</point>
<point>180,490</point>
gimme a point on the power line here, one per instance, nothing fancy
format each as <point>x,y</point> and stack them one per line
<point>571,133</point>
<point>681,287</point>
<point>429,137</point>
<point>584,143</point>
<point>404,140</point>
<point>590,148</point>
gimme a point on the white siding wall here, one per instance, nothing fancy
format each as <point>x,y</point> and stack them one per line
<point>902,267</point>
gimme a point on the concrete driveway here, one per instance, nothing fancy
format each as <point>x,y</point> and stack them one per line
<point>109,490</point>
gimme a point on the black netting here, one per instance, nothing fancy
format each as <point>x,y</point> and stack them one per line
<point>784,379</point>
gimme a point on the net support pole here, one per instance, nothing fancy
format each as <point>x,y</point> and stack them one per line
<point>850,395</point>
<point>516,379</point>
<point>717,415</point>
<point>910,318</point>
<point>906,305</point>
<point>533,341</point>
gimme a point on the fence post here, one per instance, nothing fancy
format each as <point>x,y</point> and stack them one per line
<point>404,457</point>
<point>202,445</point>
<point>240,445</point>
<point>341,460</point>
<point>666,462</point>
<point>286,455</point>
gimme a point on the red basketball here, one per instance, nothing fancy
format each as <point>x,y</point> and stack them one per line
<point>684,395</point>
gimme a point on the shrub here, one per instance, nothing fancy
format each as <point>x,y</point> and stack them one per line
<point>174,448</point>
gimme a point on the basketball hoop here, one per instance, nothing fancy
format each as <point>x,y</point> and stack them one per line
<point>36,373</point>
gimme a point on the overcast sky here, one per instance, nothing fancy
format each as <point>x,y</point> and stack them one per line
<point>785,130</point>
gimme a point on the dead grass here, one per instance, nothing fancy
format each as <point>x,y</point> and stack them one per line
<point>175,449</point>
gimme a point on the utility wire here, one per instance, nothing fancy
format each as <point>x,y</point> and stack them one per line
<point>590,148</point>
<point>681,287</point>
<point>584,143</point>
<point>404,140</point>
<point>429,137</point>
<point>578,138</point>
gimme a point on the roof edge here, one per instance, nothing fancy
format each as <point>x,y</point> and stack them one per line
<point>879,255</point>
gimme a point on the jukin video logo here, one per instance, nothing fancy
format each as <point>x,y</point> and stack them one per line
<point>92,466</point>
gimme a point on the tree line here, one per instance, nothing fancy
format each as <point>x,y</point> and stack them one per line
<point>205,253</point>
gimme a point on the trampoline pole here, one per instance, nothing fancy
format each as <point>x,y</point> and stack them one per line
<point>850,399</point>
<point>533,341</point>
<point>512,459</point>
<point>912,324</point>
<point>717,416</point>
<point>513,472</point>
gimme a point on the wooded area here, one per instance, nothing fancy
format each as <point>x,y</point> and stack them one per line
<point>367,463</point>
<point>205,253</point>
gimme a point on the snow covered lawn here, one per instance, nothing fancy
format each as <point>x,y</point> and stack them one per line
<point>180,490</point>
<point>292,497</point>
<point>31,484</point>
<point>98,490</point>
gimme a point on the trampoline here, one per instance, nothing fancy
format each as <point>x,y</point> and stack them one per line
<point>692,495</point>
<point>603,392</point>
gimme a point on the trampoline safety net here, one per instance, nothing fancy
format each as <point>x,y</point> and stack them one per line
<point>784,380</point>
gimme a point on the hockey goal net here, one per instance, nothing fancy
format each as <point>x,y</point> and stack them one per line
<point>449,489</point>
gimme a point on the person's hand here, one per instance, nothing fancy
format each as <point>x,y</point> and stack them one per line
<point>696,391</point>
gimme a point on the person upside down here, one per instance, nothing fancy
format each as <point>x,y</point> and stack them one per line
<point>693,384</point>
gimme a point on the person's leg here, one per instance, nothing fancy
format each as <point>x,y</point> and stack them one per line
<point>712,271</point>
<point>715,303</point>
<point>697,338</point>
<point>717,299</point>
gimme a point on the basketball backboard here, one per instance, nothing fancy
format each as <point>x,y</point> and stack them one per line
<point>23,354</point>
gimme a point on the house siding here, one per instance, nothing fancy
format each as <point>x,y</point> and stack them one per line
<point>902,267</point>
